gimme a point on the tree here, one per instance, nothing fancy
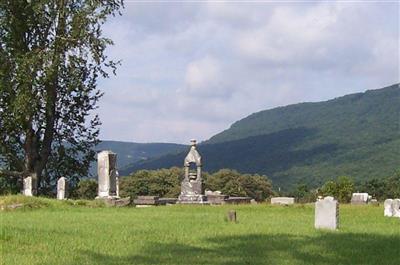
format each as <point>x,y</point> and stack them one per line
<point>342,189</point>
<point>162,183</point>
<point>51,56</point>
<point>231,182</point>
<point>303,194</point>
<point>86,189</point>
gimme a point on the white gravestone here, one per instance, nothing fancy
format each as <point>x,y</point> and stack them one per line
<point>282,200</point>
<point>327,214</point>
<point>107,174</point>
<point>61,188</point>
<point>388,208</point>
<point>360,198</point>
<point>396,207</point>
<point>27,187</point>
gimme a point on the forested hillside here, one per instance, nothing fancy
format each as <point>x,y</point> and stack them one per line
<point>129,153</point>
<point>356,135</point>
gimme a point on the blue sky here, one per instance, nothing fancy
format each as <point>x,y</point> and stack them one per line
<point>189,70</point>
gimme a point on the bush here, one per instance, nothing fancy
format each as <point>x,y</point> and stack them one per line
<point>231,182</point>
<point>162,183</point>
<point>86,189</point>
<point>303,194</point>
<point>342,189</point>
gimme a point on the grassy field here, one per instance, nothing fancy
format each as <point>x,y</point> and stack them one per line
<point>67,233</point>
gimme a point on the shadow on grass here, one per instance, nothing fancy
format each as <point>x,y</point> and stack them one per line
<point>325,248</point>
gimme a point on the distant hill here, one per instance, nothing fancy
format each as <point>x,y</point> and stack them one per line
<point>129,153</point>
<point>357,135</point>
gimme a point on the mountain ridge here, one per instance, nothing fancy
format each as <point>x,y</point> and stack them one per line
<point>355,135</point>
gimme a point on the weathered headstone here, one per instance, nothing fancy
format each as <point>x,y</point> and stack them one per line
<point>327,214</point>
<point>215,197</point>
<point>61,188</point>
<point>282,200</point>
<point>396,207</point>
<point>388,210</point>
<point>231,216</point>
<point>374,202</point>
<point>359,198</point>
<point>27,186</point>
<point>191,186</point>
<point>107,174</point>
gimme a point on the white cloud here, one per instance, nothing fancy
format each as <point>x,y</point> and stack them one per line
<point>190,70</point>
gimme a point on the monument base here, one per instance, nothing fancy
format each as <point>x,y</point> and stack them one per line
<point>115,201</point>
<point>192,199</point>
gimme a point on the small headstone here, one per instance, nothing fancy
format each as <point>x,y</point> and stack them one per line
<point>27,187</point>
<point>232,216</point>
<point>282,200</point>
<point>61,188</point>
<point>374,202</point>
<point>388,211</point>
<point>396,207</point>
<point>327,214</point>
<point>359,198</point>
<point>252,201</point>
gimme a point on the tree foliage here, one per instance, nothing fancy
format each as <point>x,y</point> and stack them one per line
<point>231,182</point>
<point>342,189</point>
<point>51,57</point>
<point>85,189</point>
<point>162,183</point>
<point>167,183</point>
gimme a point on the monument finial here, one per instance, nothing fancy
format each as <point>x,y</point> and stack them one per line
<point>193,142</point>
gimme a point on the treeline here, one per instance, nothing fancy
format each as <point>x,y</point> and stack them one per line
<point>343,187</point>
<point>166,183</point>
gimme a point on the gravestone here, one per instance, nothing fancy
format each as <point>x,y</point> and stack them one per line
<point>327,214</point>
<point>27,187</point>
<point>282,200</point>
<point>61,188</point>
<point>191,185</point>
<point>359,198</point>
<point>388,210</point>
<point>232,216</point>
<point>215,197</point>
<point>396,207</point>
<point>107,175</point>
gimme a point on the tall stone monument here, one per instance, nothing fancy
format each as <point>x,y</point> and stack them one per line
<point>191,186</point>
<point>107,174</point>
<point>61,189</point>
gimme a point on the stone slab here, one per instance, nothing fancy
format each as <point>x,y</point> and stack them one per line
<point>238,200</point>
<point>282,200</point>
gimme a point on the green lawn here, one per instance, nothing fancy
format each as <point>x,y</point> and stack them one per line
<point>187,235</point>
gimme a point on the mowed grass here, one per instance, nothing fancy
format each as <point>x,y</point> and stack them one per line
<point>264,234</point>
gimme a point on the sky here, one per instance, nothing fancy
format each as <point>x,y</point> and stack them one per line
<point>190,70</point>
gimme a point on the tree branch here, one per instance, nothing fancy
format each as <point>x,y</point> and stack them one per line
<point>11,174</point>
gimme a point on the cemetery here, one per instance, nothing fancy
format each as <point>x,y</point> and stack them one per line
<point>195,228</point>
<point>295,106</point>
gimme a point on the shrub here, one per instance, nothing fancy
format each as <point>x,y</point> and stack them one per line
<point>342,189</point>
<point>86,189</point>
